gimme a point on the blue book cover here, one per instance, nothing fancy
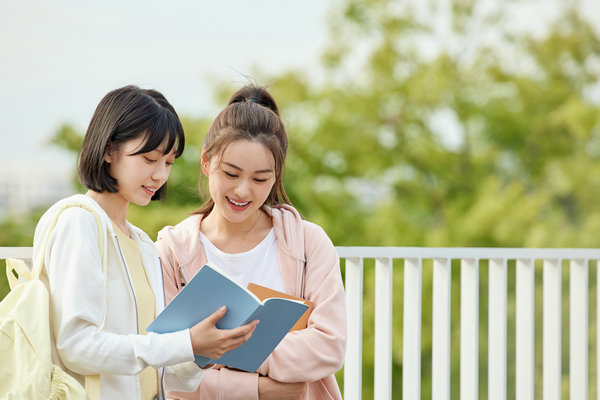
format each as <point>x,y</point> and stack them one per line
<point>210,289</point>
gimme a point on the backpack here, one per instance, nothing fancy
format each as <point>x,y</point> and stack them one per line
<point>26,370</point>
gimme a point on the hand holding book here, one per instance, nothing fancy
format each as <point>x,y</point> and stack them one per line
<point>213,342</point>
<point>209,290</point>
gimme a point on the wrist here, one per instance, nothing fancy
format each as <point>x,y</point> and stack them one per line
<point>263,385</point>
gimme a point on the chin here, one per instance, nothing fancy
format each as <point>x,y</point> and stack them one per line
<point>240,217</point>
<point>141,203</point>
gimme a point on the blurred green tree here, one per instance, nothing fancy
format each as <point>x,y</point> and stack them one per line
<point>416,136</point>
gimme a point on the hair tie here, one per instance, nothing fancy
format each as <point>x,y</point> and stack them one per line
<point>253,100</point>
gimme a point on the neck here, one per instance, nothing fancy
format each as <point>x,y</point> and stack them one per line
<point>114,205</point>
<point>217,224</point>
<point>235,238</point>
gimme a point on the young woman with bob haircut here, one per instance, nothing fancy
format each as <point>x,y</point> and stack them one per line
<point>99,310</point>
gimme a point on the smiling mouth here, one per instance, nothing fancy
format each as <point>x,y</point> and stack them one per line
<point>235,203</point>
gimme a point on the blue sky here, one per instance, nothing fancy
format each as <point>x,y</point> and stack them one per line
<point>59,58</point>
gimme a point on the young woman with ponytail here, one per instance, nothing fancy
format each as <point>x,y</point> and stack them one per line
<point>248,228</point>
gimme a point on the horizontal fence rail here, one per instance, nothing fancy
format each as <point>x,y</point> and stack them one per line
<point>413,260</point>
<point>469,259</point>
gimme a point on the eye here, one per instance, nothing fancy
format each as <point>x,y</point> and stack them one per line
<point>169,163</point>
<point>150,160</point>
<point>259,180</point>
<point>230,174</point>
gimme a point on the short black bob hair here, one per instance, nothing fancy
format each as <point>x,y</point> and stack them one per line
<point>122,115</point>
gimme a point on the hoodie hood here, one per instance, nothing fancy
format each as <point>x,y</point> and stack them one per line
<point>287,223</point>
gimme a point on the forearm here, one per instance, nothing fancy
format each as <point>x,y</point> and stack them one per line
<point>270,389</point>
<point>88,351</point>
<point>224,384</point>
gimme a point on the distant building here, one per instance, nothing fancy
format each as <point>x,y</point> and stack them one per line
<point>24,186</point>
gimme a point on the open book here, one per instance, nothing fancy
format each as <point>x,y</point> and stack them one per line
<point>263,293</point>
<point>210,289</point>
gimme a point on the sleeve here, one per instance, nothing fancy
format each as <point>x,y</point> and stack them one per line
<point>78,291</point>
<point>224,384</point>
<point>315,352</point>
<point>169,269</point>
<point>185,376</point>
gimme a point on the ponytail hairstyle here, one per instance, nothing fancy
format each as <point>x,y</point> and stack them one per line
<point>251,114</point>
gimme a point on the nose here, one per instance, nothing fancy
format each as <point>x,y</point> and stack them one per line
<point>242,189</point>
<point>161,173</point>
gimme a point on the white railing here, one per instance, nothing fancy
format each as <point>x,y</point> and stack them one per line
<point>469,260</point>
<point>412,260</point>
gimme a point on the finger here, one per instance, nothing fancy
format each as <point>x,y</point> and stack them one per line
<point>243,331</point>
<point>247,336</point>
<point>217,315</point>
<point>252,325</point>
<point>236,341</point>
<point>251,332</point>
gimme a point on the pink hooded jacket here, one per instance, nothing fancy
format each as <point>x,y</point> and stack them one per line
<point>310,269</point>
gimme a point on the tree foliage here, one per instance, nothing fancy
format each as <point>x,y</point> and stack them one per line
<point>413,139</point>
<point>445,150</point>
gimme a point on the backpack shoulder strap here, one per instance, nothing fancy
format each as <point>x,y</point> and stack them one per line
<point>92,382</point>
<point>18,266</point>
<point>37,268</point>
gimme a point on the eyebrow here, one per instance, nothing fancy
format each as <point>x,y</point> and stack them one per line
<point>161,151</point>
<point>259,171</point>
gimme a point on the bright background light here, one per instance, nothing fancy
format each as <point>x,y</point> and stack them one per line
<point>59,58</point>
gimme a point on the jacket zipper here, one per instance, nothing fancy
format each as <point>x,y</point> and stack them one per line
<point>161,371</point>
<point>182,274</point>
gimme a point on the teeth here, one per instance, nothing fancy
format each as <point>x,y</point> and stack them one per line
<point>152,190</point>
<point>236,203</point>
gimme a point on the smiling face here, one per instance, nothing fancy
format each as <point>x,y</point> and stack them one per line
<point>240,180</point>
<point>139,176</point>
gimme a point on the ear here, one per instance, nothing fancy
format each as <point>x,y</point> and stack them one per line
<point>108,152</point>
<point>204,162</point>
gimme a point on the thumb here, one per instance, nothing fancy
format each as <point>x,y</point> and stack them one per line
<point>217,315</point>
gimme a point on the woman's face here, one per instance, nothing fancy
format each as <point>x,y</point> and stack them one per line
<point>139,176</point>
<point>241,182</point>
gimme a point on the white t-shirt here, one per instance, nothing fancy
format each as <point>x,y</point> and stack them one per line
<point>259,265</point>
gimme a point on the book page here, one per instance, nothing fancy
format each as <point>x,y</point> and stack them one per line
<point>263,293</point>
<point>276,318</point>
<point>205,293</point>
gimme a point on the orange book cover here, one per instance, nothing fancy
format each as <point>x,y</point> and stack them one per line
<point>263,292</point>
